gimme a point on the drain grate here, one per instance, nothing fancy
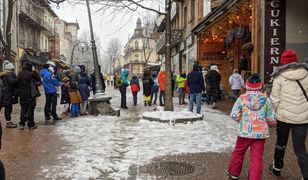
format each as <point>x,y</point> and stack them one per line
<point>172,168</point>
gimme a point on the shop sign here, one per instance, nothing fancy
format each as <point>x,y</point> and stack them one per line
<point>173,10</point>
<point>210,56</point>
<point>190,40</point>
<point>275,35</point>
<point>216,3</point>
<point>182,46</point>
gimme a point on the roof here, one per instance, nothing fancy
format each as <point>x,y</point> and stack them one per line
<point>74,24</point>
<point>208,19</point>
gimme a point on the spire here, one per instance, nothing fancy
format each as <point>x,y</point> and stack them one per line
<point>138,23</point>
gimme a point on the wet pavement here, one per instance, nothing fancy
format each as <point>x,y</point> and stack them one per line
<point>44,153</point>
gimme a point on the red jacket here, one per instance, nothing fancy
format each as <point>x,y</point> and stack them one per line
<point>162,80</point>
<point>134,87</point>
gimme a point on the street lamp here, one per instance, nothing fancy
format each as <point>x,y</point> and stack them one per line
<point>84,48</point>
<point>99,86</point>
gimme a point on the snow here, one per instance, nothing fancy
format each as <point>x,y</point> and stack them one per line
<point>105,147</point>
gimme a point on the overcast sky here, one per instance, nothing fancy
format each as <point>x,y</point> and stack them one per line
<point>120,27</point>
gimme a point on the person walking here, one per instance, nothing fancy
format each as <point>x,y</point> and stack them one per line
<point>214,88</point>
<point>162,86</point>
<point>9,92</point>
<point>181,81</point>
<point>122,88</point>
<point>195,83</point>
<point>135,88</point>
<point>75,99</point>
<point>154,89</point>
<point>236,82</point>
<point>27,83</point>
<point>255,113</point>
<point>147,83</point>
<point>50,83</point>
<point>65,97</point>
<point>290,97</point>
<point>84,91</point>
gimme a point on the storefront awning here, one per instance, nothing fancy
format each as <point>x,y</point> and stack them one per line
<point>36,59</point>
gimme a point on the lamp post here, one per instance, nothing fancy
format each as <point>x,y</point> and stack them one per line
<point>82,50</point>
<point>99,86</point>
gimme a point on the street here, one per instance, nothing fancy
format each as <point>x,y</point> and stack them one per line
<point>128,147</point>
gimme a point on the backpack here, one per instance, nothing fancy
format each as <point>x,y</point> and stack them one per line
<point>118,81</point>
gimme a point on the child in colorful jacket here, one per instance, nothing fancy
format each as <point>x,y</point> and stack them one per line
<point>254,112</point>
<point>75,99</point>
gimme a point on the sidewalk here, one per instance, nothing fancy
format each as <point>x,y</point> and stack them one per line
<point>26,154</point>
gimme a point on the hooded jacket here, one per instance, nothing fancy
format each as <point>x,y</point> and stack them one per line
<point>49,81</point>
<point>236,81</point>
<point>254,112</point>
<point>195,81</point>
<point>162,80</point>
<point>147,83</point>
<point>134,84</point>
<point>288,98</point>
<point>124,78</point>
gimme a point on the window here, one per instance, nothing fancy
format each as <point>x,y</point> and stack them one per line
<point>46,45</point>
<point>185,16</point>
<point>136,45</point>
<point>192,10</point>
<point>136,58</point>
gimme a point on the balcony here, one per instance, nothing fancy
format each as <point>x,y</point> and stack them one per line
<point>31,15</point>
<point>176,37</point>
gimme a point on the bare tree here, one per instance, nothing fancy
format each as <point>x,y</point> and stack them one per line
<point>113,52</point>
<point>5,37</point>
<point>124,7</point>
<point>147,42</point>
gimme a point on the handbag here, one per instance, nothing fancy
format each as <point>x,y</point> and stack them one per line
<point>302,88</point>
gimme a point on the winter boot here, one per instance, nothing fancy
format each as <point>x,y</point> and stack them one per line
<point>145,103</point>
<point>149,103</point>
<point>33,127</point>
<point>21,127</point>
<point>10,124</point>
<point>214,106</point>
<point>57,118</point>
<point>231,176</point>
<point>274,171</point>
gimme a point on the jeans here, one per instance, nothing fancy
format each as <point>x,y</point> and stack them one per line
<point>135,98</point>
<point>154,93</point>
<point>123,95</point>
<point>75,108</point>
<point>27,112</point>
<point>236,93</point>
<point>182,93</point>
<point>299,133</point>
<point>198,100</point>
<point>161,98</point>
<point>51,105</point>
<point>256,157</point>
<point>8,111</point>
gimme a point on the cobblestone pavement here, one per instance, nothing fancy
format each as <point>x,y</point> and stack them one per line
<point>24,153</point>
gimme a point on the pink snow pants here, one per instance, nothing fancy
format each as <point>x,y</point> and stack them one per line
<point>256,157</point>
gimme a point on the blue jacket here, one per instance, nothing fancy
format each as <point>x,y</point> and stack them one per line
<point>84,86</point>
<point>195,81</point>
<point>49,81</point>
<point>124,78</point>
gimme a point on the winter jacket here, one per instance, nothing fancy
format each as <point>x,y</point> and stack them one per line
<point>124,78</point>
<point>155,85</point>
<point>25,80</point>
<point>236,81</point>
<point>195,81</point>
<point>75,97</point>
<point>49,81</point>
<point>9,89</point>
<point>65,97</point>
<point>181,80</point>
<point>93,81</point>
<point>254,112</point>
<point>147,82</point>
<point>162,80</point>
<point>134,84</point>
<point>84,86</point>
<point>288,98</point>
<point>213,82</point>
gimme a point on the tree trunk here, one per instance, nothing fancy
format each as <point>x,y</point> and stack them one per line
<point>8,30</point>
<point>168,92</point>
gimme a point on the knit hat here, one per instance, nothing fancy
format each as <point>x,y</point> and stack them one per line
<point>51,63</point>
<point>215,67</point>
<point>8,65</point>
<point>288,56</point>
<point>253,82</point>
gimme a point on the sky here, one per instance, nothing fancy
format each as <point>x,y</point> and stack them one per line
<point>120,27</point>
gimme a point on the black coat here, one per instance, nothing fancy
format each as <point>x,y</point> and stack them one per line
<point>27,83</point>
<point>93,82</point>
<point>65,97</point>
<point>9,90</point>
<point>147,82</point>
<point>214,82</point>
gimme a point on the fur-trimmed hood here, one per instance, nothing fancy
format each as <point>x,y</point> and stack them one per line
<point>286,67</point>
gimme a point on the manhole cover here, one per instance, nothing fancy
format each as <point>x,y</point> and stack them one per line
<point>172,168</point>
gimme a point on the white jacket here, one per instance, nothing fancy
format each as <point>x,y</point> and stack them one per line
<point>289,101</point>
<point>236,81</point>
